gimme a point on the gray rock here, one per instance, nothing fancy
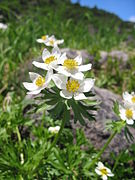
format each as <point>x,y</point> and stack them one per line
<point>120,55</point>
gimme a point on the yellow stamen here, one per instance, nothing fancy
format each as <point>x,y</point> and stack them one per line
<point>43,37</point>
<point>70,64</point>
<point>49,60</point>
<point>40,81</point>
<point>103,171</point>
<point>72,85</point>
<point>133,99</point>
<point>52,42</point>
<point>129,113</point>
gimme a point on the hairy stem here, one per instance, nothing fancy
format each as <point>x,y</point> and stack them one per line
<point>57,135</point>
<point>103,149</point>
<point>116,162</point>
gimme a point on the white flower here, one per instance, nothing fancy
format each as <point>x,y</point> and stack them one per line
<point>72,67</point>
<point>103,171</point>
<point>72,87</point>
<point>52,41</point>
<point>54,129</point>
<point>50,60</point>
<point>129,99</point>
<point>43,39</point>
<point>3,26</point>
<point>38,82</point>
<point>127,114</point>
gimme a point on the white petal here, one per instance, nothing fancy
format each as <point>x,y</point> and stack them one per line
<point>45,54</point>
<point>79,59</point>
<point>30,86</point>
<point>48,76</point>
<point>52,37</point>
<point>108,170</point>
<point>100,165</point>
<point>86,85</point>
<point>34,92</point>
<point>98,171</point>
<point>33,76</point>
<point>60,41</point>
<point>65,94</point>
<point>130,121</point>
<point>122,113</point>
<point>127,96</point>
<point>77,75</point>
<point>110,174</point>
<point>79,96</point>
<point>51,129</point>
<point>133,114</point>
<point>3,26</point>
<point>40,65</point>
<point>62,58</point>
<point>55,50</point>
<point>63,71</point>
<point>104,177</point>
<point>40,40</point>
<point>57,128</point>
<point>60,81</point>
<point>85,67</point>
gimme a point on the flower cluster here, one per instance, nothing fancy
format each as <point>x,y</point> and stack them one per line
<point>67,74</point>
<point>127,111</point>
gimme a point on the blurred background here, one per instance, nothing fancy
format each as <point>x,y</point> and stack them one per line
<point>103,31</point>
<point>122,8</point>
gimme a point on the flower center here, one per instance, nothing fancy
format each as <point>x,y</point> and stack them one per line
<point>72,85</point>
<point>52,42</point>
<point>103,171</point>
<point>40,81</point>
<point>49,59</point>
<point>129,113</point>
<point>133,99</point>
<point>43,37</point>
<point>70,64</point>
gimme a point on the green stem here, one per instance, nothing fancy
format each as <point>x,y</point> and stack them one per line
<point>18,134</point>
<point>116,162</point>
<point>57,135</point>
<point>103,149</point>
<point>21,154</point>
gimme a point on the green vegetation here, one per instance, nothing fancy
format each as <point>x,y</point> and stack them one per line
<point>21,141</point>
<point>81,28</point>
